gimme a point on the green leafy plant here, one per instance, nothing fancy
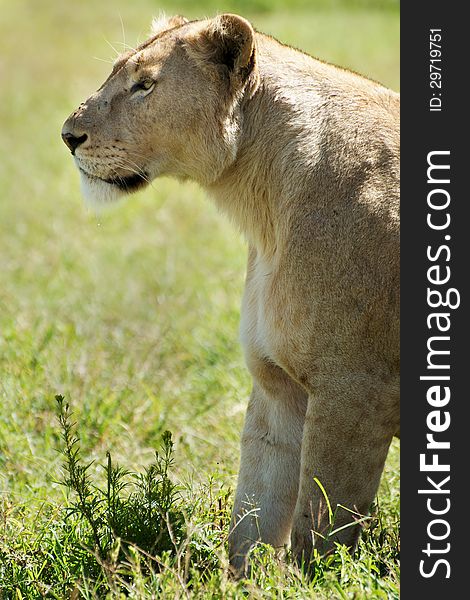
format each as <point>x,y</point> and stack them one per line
<point>132,511</point>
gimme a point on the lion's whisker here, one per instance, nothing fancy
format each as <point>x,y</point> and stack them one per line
<point>109,62</point>
<point>111,46</point>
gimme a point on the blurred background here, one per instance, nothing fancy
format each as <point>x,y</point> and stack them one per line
<point>133,314</point>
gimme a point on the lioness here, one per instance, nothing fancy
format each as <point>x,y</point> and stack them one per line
<point>303,156</point>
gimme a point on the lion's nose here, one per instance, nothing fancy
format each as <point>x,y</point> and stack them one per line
<point>72,141</point>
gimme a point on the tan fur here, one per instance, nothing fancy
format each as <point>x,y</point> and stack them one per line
<point>303,157</point>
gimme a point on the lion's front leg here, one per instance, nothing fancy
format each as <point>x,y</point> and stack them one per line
<point>349,425</point>
<point>270,462</point>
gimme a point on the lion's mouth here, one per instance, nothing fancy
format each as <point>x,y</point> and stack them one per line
<point>125,183</point>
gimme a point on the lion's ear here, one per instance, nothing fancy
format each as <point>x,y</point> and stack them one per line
<point>228,40</point>
<point>163,23</point>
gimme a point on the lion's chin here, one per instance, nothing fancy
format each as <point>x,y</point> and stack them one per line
<point>98,193</point>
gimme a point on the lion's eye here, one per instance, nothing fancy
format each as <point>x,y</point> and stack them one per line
<point>145,85</point>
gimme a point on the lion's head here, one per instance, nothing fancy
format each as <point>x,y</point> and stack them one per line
<point>170,107</point>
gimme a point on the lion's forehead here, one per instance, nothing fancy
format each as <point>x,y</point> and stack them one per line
<point>148,58</point>
<point>121,61</point>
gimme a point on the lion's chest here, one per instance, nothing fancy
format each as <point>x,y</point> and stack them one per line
<point>256,325</point>
<point>273,324</point>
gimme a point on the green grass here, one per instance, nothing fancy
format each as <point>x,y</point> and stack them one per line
<point>133,315</point>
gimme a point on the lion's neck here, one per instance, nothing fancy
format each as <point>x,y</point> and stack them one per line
<point>275,153</point>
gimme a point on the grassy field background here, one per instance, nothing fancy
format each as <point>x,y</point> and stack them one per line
<point>133,315</point>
